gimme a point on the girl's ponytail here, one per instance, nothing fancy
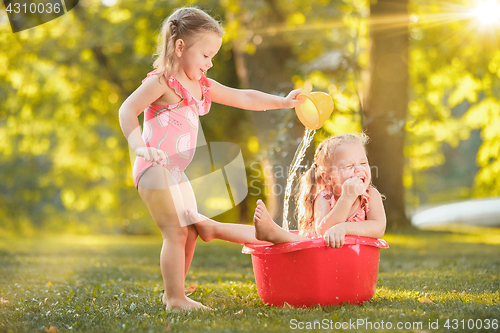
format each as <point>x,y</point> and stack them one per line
<point>166,48</point>
<point>305,199</point>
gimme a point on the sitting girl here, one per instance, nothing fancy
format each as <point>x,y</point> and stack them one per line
<point>335,199</point>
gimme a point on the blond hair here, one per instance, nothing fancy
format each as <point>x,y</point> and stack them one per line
<point>311,181</point>
<point>184,23</point>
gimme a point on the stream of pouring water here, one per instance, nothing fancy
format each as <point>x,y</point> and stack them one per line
<point>297,158</point>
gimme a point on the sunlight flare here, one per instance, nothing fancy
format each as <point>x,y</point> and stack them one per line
<point>487,12</point>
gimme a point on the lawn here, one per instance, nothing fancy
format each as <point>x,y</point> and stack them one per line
<point>444,279</point>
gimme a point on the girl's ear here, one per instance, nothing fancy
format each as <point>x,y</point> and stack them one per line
<point>179,47</point>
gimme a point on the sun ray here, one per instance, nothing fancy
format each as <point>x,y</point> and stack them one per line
<point>430,16</point>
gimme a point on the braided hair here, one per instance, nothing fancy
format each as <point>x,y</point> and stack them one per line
<point>184,23</point>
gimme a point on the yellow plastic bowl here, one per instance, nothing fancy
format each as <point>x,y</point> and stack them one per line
<point>315,109</point>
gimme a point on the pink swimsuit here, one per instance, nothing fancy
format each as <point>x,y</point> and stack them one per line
<point>359,215</point>
<point>173,129</point>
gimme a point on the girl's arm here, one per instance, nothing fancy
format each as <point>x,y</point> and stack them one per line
<point>326,217</point>
<point>351,190</point>
<point>148,92</point>
<point>376,221</point>
<point>374,226</point>
<point>249,99</point>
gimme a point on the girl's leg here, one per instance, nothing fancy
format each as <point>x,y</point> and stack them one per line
<point>265,229</point>
<point>236,233</point>
<point>190,246</point>
<point>189,203</point>
<point>164,199</point>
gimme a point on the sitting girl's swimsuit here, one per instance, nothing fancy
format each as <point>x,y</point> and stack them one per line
<point>173,128</point>
<point>359,215</point>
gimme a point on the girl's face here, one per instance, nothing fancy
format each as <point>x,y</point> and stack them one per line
<point>196,59</point>
<point>351,161</point>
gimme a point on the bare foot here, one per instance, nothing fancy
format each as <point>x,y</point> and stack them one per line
<point>184,304</point>
<point>267,230</point>
<point>203,225</point>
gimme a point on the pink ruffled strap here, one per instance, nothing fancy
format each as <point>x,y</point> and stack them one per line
<point>150,74</point>
<point>207,99</point>
<point>365,199</point>
<point>362,212</point>
<point>187,99</point>
<point>328,196</point>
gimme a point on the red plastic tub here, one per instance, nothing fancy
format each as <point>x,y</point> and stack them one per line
<point>308,273</point>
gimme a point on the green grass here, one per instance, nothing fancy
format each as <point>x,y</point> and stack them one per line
<point>113,284</point>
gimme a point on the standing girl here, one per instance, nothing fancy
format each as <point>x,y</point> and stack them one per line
<point>173,96</point>
<point>335,199</point>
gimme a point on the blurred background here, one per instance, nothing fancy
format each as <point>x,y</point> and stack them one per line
<point>421,78</point>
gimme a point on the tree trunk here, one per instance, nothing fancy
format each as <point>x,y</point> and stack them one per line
<point>265,70</point>
<point>386,104</point>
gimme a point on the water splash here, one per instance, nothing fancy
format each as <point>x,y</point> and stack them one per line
<point>297,158</point>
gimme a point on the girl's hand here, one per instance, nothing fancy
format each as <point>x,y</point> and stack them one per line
<point>335,236</point>
<point>151,154</point>
<point>353,187</point>
<point>291,100</point>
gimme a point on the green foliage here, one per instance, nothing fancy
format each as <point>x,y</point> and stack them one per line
<point>65,164</point>
<point>455,82</point>
<point>113,284</point>
<point>65,161</point>
<point>311,29</point>
<point>62,149</point>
